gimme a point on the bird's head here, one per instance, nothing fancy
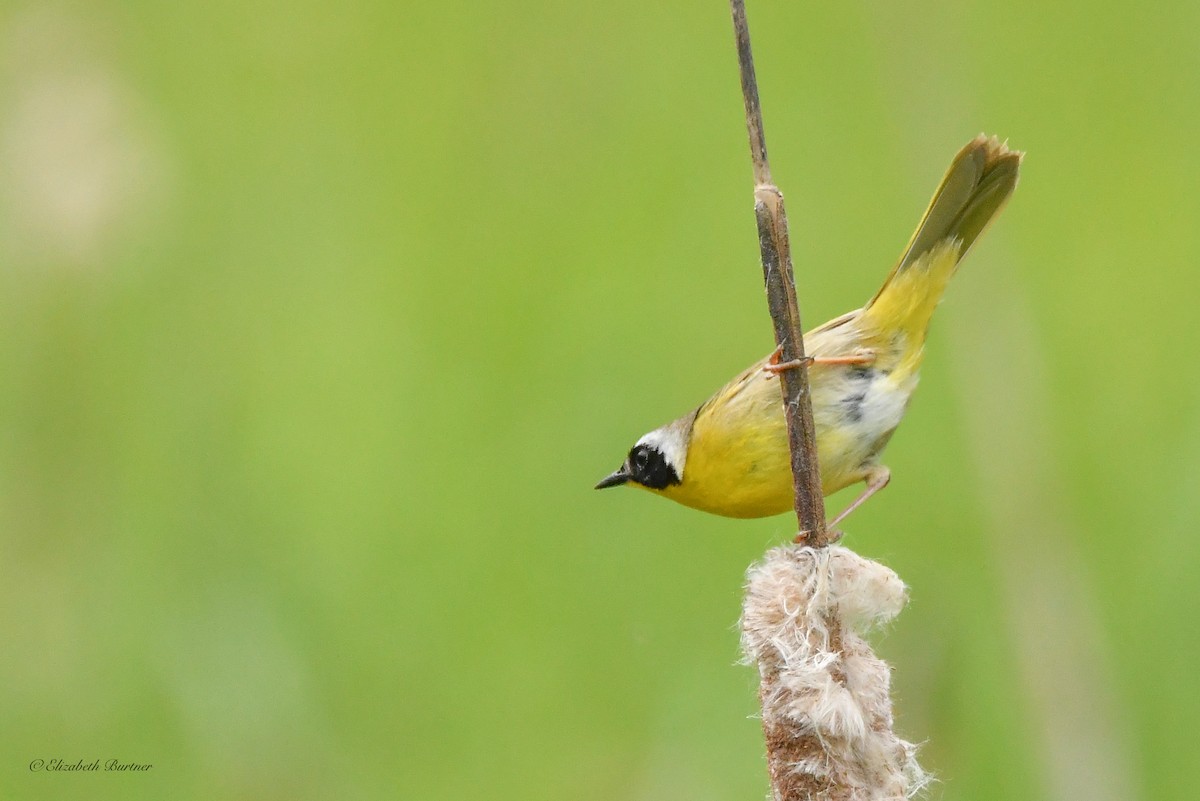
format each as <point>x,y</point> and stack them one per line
<point>655,462</point>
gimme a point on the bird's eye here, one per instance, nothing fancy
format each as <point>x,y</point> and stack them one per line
<point>641,458</point>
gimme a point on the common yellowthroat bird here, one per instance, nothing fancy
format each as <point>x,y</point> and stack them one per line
<point>730,456</point>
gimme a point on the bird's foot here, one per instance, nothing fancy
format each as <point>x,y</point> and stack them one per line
<point>833,535</point>
<point>773,366</point>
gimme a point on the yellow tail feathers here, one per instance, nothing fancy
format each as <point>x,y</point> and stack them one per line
<point>974,190</point>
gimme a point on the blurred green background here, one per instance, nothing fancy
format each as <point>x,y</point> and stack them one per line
<point>318,323</point>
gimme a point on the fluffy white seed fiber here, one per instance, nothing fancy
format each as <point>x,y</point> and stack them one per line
<point>823,690</point>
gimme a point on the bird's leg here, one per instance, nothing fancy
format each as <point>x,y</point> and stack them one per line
<point>877,478</point>
<point>775,367</point>
<point>864,356</point>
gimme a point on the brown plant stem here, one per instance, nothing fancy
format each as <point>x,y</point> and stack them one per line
<point>781,299</point>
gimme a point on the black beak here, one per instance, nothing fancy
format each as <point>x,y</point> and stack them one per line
<point>615,480</point>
